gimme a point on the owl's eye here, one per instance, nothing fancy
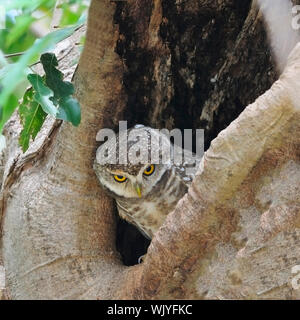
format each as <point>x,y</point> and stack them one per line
<point>149,170</point>
<point>120,178</point>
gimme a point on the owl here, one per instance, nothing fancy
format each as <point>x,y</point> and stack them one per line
<point>144,191</point>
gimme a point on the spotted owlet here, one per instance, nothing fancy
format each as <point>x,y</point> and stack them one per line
<point>147,191</point>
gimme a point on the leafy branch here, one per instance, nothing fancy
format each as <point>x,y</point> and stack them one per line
<point>48,95</point>
<point>43,95</point>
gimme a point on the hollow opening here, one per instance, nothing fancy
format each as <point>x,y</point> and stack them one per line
<point>130,243</point>
<point>200,81</point>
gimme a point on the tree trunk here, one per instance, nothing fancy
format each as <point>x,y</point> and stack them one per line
<point>235,234</point>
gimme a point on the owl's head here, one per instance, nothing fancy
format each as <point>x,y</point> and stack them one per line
<point>132,180</point>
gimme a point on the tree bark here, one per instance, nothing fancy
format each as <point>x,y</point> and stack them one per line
<point>185,64</point>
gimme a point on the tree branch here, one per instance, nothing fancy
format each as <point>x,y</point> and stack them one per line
<point>205,217</point>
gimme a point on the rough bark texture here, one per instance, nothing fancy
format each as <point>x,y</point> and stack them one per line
<point>186,64</point>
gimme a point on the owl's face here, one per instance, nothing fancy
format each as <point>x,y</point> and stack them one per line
<point>129,181</point>
<point>132,180</point>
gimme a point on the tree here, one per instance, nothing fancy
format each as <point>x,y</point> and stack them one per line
<point>235,234</point>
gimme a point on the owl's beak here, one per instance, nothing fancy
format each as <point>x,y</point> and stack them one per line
<point>138,190</point>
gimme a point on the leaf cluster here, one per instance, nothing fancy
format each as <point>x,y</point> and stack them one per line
<point>20,47</point>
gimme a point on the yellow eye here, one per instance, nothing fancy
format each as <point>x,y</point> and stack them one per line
<point>149,170</point>
<point>120,178</point>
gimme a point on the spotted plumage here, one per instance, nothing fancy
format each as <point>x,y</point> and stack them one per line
<point>144,192</point>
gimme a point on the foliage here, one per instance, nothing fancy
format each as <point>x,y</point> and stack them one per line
<point>32,118</point>
<point>68,107</point>
<point>20,47</point>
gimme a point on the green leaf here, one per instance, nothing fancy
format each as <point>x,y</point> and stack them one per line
<point>4,70</point>
<point>68,17</point>
<point>42,94</point>
<point>32,118</point>
<point>22,4</point>
<point>54,78</point>
<point>3,61</point>
<point>21,26</point>
<point>7,111</point>
<point>69,108</point>
<point>71,12</point>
